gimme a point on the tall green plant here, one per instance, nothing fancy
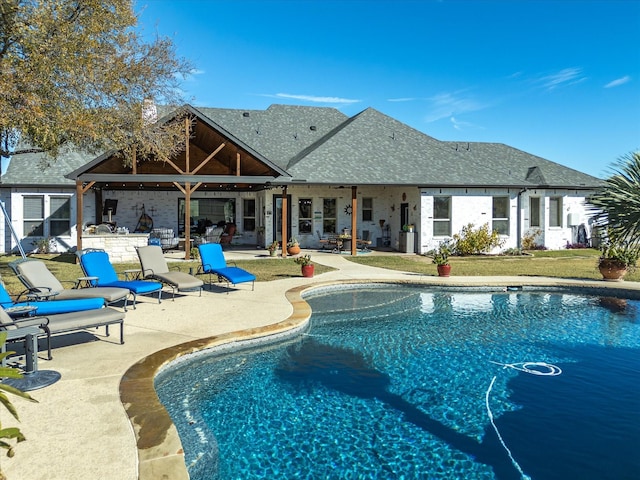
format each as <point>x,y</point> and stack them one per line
<point>617,203</point>
<point>11,433</point>
<point>472,241</point>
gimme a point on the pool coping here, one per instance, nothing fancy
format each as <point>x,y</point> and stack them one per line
<point>159,448</point>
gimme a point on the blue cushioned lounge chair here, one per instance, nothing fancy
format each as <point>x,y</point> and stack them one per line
<point>95,263</point>
<point>214,263</point>
<point>49,307</point>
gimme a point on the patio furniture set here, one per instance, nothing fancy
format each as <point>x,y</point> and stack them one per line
<point>47,308</point>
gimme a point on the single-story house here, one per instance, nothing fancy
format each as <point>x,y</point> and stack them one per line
<point>304,172</point>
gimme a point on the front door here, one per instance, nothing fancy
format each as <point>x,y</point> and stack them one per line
<point>277,217</point>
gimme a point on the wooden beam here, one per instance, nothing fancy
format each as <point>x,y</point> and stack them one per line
<point>206,160</point>
<point>284,222</point>
<point>79,206</point>
<point>134,164</point>
<point>238,164</point>
<point>354,220</point>
<point>186,144</point>
<point>187,221</point>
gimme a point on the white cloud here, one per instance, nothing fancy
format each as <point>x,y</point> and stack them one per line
<point>447,105</point>
<point>618,81</point>
<point>563,78</point>
<point>314,99</point>
<point>403,99</point>
<point>458,125</point>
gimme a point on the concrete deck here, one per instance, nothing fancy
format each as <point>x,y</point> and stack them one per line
<point>80,429</point>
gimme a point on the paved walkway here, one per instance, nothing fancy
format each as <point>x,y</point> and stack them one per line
<point>79,428</point>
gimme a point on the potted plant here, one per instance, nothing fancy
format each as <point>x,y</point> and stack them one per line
<point>617,258</point>
<point>440,258</point>
<point>306,265</point>
<point>293,247</point>
<point>273,248</point>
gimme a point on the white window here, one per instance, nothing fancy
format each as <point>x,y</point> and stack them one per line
<point>59,216</point>
<point>305,223</point>
<point>555,211</point>
<point>248,215</point>
<point>329,215</point>
<point>367,209</point>
<point>534,211</point>
<point>33,215</point>
<point>46,215</point>
<point>441,216</point>
<point>500,222</point>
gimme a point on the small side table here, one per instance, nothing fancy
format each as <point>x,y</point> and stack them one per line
<point>132,274</point>
<point>85,282</point>
<point>33,378</point>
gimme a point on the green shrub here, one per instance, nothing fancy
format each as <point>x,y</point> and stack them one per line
<point>473,242</point>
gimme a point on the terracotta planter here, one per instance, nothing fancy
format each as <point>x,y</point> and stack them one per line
<point>307,270</point>
<point>444,270</point>
<point>293,250</point>
<point>612,271</point>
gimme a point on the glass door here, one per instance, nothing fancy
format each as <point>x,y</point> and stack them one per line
<point>277,217</point>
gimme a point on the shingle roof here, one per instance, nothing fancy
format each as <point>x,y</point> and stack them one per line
<point>40,170</point>
<point>321,145</point>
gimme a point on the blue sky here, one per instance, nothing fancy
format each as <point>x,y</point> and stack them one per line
<point>558,79</point>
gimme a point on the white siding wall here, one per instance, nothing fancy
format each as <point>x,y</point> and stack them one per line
<point>475,206</point>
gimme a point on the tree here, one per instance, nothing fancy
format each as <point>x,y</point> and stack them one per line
<point>617,203</point>
<point>76,73</point>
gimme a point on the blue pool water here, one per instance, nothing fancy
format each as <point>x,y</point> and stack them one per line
<point>398,382</point>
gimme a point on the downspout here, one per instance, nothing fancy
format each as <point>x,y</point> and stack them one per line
<point>519,217</point>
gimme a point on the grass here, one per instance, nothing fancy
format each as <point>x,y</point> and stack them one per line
<point>573,263</point>
<point>577,263</point>
<point>66,270</point>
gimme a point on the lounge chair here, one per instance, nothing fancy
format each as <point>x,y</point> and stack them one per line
<point>45,306</point>
<point>214,263</point>
<point>35,275</point>
<point>154,265</point>
<point>61,323</point>
<point>95,263</point>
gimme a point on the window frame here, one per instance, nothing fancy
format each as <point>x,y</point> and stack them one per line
<point>28,221</point>
<point>248,215</point>
<point>305,219</point>
<point>555,221</point>
<point>537,216</point>
<point>60,220</point>
<point>437,220</point>
<point>327,219</point>
<point>495,220</point>
<point>367,209</point>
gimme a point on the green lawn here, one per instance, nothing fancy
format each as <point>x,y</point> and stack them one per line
<point>575,263</point>
<point>64,267</point>
<point>578,263</point>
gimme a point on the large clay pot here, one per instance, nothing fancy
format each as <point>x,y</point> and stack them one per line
<point>612,271</point>
<point>294,250</point>
<point>444,270</point>
<point>307,270</point>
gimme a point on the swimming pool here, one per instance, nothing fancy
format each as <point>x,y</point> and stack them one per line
<point>416,382</point>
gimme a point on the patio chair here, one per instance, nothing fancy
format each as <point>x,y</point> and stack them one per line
<point>35,275</point>
<point>324,241</point>
<point>95,263</point>
<point>227,235</point>
<point>155,266</point>
<point>20,324</point>
<point>214,263</point>
<point>45,306</point>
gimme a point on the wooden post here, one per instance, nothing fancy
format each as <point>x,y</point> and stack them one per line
<point>284,222</point>
<point>79,206</point>
<point>187,220</point>
<point>354,220</point>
